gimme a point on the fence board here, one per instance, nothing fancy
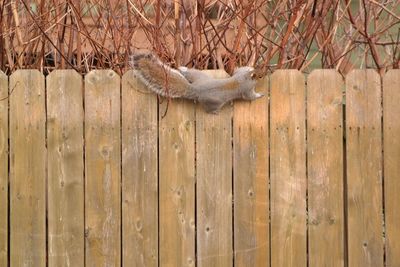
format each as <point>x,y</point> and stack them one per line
<point>3,169</point>
<point>103,168</point>
<point>251,192</point>
<point>288,169</point>
<point>139,174</point>
<point>364,168</point>
<point>65,169</point>
<point>325,168</point>
<point>27,169</point>
<point>391,131</point>
<point>214,186</point>
<point>177,184</point>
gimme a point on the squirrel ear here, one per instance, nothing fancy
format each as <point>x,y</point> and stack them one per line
<point>253,75</point>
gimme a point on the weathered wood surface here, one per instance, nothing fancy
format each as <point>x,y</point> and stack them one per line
<point>3,169</point>
<point>122,185</point>
<point>288,169</point>
<point>177,183</point>
<point>27,169</point>
<point>102,169</point>
<point>364,168</point>
<point>65,168</point>
<point>391,139</point>
<point>214,186</point>
<point>139,174</point>
<point>251,185</point>
<point>325,168</point>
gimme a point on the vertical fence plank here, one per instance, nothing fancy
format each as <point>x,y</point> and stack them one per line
<point>251,205</point>
<point>177,184</point>
<point>364,168</point>
<point>28,169</point>
<point>3,169</point>
<point>288,169</point>
<point>391,133</point>
<point>214,186</point>
<point>65,169</point>
<point>139,174</point>
<point>102,158</point>
<point>325,168</point>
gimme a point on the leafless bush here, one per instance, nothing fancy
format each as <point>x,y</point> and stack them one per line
<point>269,34</point>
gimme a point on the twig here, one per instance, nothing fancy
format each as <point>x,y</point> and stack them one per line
<point>9,94</point>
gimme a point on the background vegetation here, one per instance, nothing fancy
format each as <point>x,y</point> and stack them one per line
<point>92,34</point>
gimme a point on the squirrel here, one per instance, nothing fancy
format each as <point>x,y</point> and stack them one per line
<point>194,84</point>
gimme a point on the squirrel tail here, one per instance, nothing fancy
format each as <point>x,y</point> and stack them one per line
<point>159,77</point>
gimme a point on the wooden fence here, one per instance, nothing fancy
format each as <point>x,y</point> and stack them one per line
<point>93,174</point>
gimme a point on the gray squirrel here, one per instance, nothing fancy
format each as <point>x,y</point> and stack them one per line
<point>194,84</point>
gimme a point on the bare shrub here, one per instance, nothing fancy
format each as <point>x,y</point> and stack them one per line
<point>92,34</point>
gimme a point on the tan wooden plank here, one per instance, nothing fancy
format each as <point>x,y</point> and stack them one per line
<point>177,183</point>
<point>391,150</point>
<point>27,169</point>
<point>65,169</point>
<point>139,174</point>
<point>325,168</point>
<point>288,169</point>
<point>250,169</point>
<point>364,168</point>
<point>102,168</point>
<point>3,169</point>
<point>214,186</point>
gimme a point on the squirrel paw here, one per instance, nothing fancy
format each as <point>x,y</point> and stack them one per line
<point>258,95</point>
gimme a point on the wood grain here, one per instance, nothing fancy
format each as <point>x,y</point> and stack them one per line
<point>214,186</point>
<point>391,149</point>
<point>65,169</point>
<point>139,174</point>
<point>288,169</point>
<point>27,169</point>
<point>102,168</point>
<point>325,168</point>
<point>364,168</point>
<point>177,183</point>
<point>3,170</point>
<point>251,189</point>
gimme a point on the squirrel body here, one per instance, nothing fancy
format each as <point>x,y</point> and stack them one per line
<point>194,84</point>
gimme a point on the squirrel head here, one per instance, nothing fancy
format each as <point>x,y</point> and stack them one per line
<point>247,77</point>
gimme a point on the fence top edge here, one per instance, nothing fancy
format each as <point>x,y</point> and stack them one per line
<point>217,72</point>
<point>362,71</point>
<point>69,73</point>
<point>283,71</point>
<point>293,73</point>
<point>324,71</point>
<point>128,74</point>
<point>109,72</point>
<point>392,72</point>
<point>30,71</point>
